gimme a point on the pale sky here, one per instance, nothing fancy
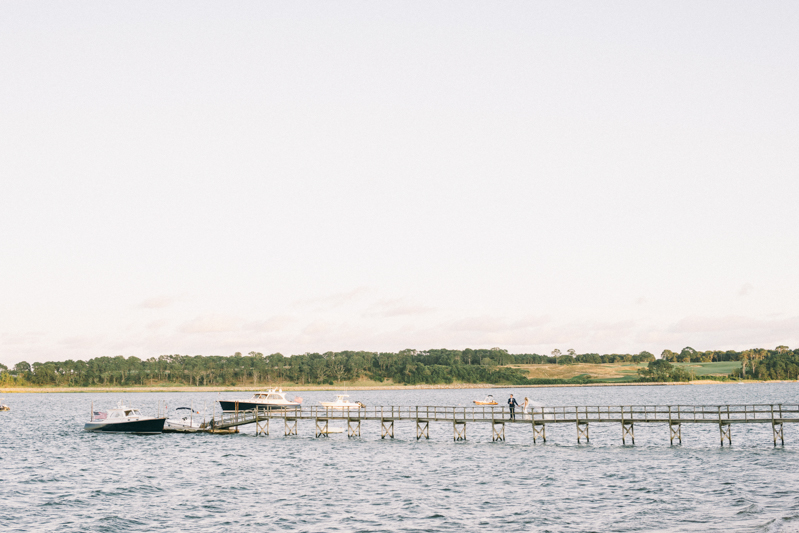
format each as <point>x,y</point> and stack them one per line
<point>211,177</point>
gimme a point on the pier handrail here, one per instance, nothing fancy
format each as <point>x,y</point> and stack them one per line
<point>644,413</point>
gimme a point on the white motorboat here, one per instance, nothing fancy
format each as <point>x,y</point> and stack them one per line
<point>273,399</point>
<point>124,419</point>
<point>4,407</point>
<point>186,420</point>
<point>342,403</point>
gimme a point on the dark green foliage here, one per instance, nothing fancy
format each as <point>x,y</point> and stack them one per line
<point>436,366</point>
<point>660,371</point>
<point>689,355</point>
<point>777,365</point>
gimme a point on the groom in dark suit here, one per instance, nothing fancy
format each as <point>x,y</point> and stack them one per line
<point>512,406</point>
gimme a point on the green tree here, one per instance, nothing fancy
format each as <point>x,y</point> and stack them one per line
<point>645,357</point>
<point>688,355</point>
<point>668,355</point>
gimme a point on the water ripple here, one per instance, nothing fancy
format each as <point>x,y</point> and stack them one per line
<point>55,477</point>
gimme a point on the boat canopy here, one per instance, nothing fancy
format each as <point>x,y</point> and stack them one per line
<point>271,395</point>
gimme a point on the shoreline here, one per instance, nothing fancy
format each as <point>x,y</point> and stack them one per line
<point>187,388</point>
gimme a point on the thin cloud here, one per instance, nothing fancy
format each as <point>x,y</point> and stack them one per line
<point>725,332</point>
<point>479,323</point>
<point>157,302</point>
<point>21,339</point>
<point>318,327</point>
<point>272,324</point>
<point>396,307</point>
<point>746,289</point>
<point>737,325</point>
<point>531,322</point>
<point>703,324</point>
<point>211,324</point>
<point>490,324</point>
<point>156,324</point>
<point>333,301</point>
<point>78,342</point>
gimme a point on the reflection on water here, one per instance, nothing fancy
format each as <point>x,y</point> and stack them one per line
<point>54,476</point>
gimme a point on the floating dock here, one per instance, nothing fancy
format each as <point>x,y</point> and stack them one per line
<point>627,416</point>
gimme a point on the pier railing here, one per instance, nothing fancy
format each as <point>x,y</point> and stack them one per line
<point>755,413</point>
<point>725,416</point>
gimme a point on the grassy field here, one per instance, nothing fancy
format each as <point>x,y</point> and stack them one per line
<point>711,369</point>
<point>611,373</point>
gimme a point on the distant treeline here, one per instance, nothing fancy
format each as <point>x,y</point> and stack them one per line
<point>437,366</point>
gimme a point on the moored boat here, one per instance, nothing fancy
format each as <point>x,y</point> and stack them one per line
<point>124,419</point>
<point>489,400</point>
<point>271,400</point>
<point>342,403</point>
<point>4,407</point>
<point>186,420</point>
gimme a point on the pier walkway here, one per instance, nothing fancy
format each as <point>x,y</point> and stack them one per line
<point>627,416</point>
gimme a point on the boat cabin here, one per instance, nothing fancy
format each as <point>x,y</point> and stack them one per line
<point>119,413</point>
<point>271,394</point>
<point>124,412</point>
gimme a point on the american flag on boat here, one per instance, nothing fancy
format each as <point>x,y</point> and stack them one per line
<point>100,415</point>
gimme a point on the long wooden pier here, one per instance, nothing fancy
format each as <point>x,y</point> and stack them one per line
<point>627,416</point>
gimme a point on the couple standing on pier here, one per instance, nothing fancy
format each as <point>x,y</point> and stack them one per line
<point>512,405</point>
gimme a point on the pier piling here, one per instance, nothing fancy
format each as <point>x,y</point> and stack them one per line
<point>675,432</point>
<point>539,432</point>
<point>321,427</point>
<point>459,429</point>
<point>262,428</point>
<point>387,430</point>
<point>422,429</point>
<point>353,430</point>
<point>627,430</point>
<point>497,434</point>
<point>725,430</point>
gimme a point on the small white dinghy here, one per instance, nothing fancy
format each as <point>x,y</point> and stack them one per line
<point>4,407</point>
<point>186,420</point>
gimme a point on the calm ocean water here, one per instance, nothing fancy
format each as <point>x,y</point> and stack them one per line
<point>56,477</point>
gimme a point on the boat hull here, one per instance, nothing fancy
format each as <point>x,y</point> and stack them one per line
<point>179,427</point>
<point>229,405</point>
<point>150,426</point>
